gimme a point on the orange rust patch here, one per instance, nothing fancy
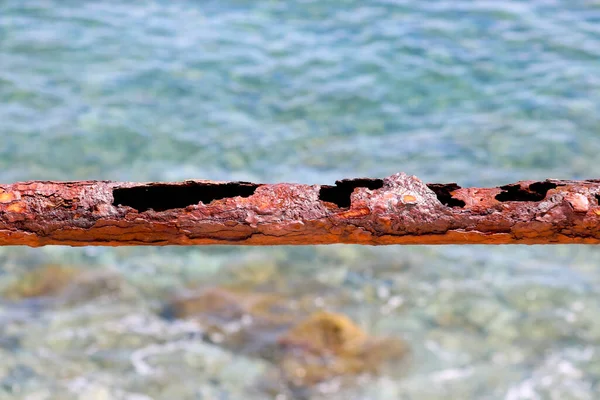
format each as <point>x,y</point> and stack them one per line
<point>408,198</point>
<point>16,207</point>
<point>597,211</point>
<point>356,213</point>
<point>7,197</point>
<point>477,198</point>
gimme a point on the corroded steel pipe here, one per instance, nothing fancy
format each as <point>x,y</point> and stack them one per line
<point>399,209</point>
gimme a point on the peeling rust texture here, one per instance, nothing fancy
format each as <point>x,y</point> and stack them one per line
<point>399,209</point>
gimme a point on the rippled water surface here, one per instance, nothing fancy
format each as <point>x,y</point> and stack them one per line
<point>477,92</point>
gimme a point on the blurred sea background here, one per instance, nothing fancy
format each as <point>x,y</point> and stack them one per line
<point>475,92</point>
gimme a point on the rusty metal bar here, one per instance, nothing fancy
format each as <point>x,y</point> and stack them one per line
<point>399,209</point>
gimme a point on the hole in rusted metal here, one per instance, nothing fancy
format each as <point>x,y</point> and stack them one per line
<point>340,193</point>
<point>163,197</point>
<point>535,192</point>
<point>443,193</point>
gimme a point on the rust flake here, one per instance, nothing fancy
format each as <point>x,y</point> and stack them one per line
<point>9,197</point>
<point>578,202</point>
<point>354,213</point>
<point>18,207</point>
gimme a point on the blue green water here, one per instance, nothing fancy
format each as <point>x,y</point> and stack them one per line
<point>477,92</point>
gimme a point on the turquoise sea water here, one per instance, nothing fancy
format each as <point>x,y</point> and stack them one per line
<point>477,92</point>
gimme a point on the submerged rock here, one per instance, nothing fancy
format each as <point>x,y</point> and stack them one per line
<point>46,281</point>
<point>67,285</point>
<point>308,346</point>
<point>223,303</point>
<point>240,320</point>
<point>325,333</point>
<point>328,345</point>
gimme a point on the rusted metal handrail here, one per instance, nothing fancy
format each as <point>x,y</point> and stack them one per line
<point>399,209</point>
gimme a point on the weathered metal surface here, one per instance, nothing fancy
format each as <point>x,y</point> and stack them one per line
<point>399,209</point>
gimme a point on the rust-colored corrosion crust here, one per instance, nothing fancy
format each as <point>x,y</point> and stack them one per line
<point>399,209</point>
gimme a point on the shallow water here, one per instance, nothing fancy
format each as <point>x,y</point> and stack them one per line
<point>481,93</point>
